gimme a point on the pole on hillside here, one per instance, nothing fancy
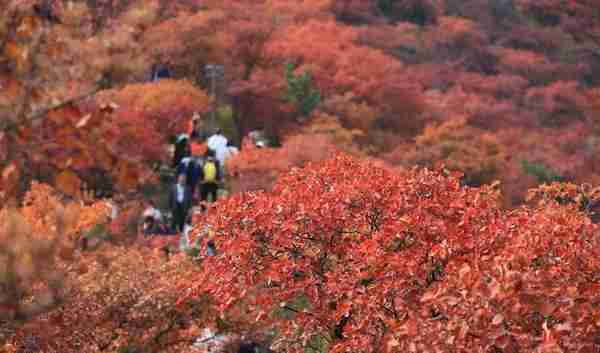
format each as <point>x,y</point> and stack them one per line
<point>214,72</point>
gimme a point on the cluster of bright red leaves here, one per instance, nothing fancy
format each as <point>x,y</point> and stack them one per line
<point>354,257</point>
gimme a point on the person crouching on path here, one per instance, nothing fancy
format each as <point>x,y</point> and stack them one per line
<point>209,182</point>
<point>180,202</point>
<point>153,219</point>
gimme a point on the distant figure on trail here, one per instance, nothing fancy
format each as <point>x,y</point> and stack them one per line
<point>211,249</point>
<point>160,72</point>
<point>198,149</point>
<point>180,202</point>
<point>153,220</point>
<point>194,174</point>
<point>153,212</point>
<point>182,167</point>
<point>44,11</point>
<point>193,126</point>
<point>181,149</point>
<point>151,226</point>
<point>184,241</point>
<point>226,153</point>
<point>217,141</point>
<point>210,179</point>
<point>258,138</point>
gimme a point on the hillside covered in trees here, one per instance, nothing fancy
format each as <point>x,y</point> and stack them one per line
<point>492,251</point>
<point>501,90</point>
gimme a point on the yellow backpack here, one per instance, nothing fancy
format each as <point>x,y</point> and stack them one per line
<point>210,172</point>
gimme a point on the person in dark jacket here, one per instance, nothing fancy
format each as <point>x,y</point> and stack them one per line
<point>183,166</point>
<point>182,149</point>
<point>194,174</point>
<point>160,72</point>
<point>180,202</point>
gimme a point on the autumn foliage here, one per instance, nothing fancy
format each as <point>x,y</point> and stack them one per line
<point>258,168</point>
<point>348,256</point>
<point>59,297</point>
<point>494,251</point>
<point>389,71</point>
<point>35,243</point>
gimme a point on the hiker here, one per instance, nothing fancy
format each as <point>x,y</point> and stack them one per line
<point>210,178</point>
<point>181,149</point>
<point>150,226</point>
<point>154,222</point>
<point>159,72</point>
<point>194,174</point>
<point>224,154</point>
<point>198,148</point>
<point>184,241</point>
<point>211,248</point>
<point>193,126</point>
<point>183,166</point>
<point>217,141</point>
<point>153,212</point>
<point>258,138</point>
<point>45,11</point>
<point>180,202</point>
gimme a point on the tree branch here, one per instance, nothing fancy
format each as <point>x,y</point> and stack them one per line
<point>42,112</point>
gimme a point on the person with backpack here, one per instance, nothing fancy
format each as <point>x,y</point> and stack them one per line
<point>182,149</point>
<point>210,179</point>
<point>194,174</point>
<point>180,202</point>
<point>184,166</point>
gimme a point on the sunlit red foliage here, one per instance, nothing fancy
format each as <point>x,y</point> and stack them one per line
<point>364,258</point>
<point>166,105</point>
<point>330,126</point>
<point>121,134</point>
<point>187,40</point>
<point>258,168</point>
<point>458,146</point>
<point>119,299</point>
<point>569,153</point>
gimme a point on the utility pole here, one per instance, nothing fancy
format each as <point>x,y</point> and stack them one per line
<point>214,72</point>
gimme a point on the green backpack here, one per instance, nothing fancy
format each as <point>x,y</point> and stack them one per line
<point>210,172</point>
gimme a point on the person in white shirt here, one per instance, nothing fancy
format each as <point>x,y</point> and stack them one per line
<point>217,141</point>
<point>224,154</point>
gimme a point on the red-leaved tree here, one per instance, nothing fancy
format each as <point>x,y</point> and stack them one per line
<point>346,256</point>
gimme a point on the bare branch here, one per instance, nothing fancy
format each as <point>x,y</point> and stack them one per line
<point>42,112</point>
